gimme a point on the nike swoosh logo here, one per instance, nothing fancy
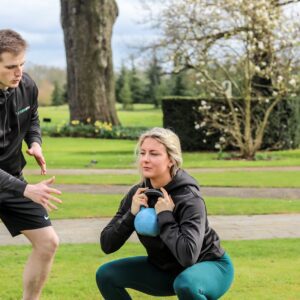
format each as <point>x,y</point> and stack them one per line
<point>46,217</point>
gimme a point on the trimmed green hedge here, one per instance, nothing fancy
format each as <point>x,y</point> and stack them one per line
<point>181,114</point>
<point>105,131</point>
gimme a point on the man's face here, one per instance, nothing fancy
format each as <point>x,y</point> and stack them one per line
<point>11,69</point>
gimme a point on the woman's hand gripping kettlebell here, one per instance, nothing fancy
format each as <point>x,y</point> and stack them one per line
<point>139,199</point>
<point>165,203</point>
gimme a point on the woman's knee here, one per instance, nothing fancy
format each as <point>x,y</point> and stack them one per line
<point>185,288</point>
<point>105,275</point>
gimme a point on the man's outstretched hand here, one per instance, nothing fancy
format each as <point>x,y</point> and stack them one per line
<point>41,193</point>
<point>36,151</point>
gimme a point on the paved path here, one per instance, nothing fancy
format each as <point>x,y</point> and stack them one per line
<point>228,227</point>
<point>272,193</point>
<point>276,193</point>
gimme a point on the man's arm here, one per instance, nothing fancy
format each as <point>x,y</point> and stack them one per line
<point>40,192</point>
<point>11,183</point>
<point>34,132</point>
<point>33,136</point>
<point>36,151</point>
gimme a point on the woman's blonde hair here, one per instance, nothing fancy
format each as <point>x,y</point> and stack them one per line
<point>171,142</point>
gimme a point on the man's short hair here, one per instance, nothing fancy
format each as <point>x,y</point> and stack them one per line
<point>12,42</point>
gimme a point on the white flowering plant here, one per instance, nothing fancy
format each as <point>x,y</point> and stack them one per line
<point>240,49</point>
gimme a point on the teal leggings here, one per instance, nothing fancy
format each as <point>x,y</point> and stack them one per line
<point>204,280</point>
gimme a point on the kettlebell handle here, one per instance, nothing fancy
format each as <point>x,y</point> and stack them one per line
<point>153,193</point>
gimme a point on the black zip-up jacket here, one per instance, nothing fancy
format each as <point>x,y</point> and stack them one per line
<point>185,236</point>
<point>18,121</point>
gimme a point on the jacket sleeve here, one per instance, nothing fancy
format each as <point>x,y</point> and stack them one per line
<point>119,229</point>
<point>185,236</point>
<point>34,132</point>
<point>11,183</point>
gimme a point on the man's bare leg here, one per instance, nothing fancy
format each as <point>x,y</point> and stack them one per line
<point>44,244</point>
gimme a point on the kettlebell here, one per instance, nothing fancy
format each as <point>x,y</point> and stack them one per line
<point>145,222</point>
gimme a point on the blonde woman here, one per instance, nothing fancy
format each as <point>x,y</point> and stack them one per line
<point>185,258</point>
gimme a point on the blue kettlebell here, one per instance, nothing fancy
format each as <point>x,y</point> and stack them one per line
<point>145,222</point>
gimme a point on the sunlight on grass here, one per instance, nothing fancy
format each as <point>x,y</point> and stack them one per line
<point>143,115</point>
<point>264,269</point>
<point>79,152</point>
<point>259,179</point>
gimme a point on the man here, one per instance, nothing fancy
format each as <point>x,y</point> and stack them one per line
<point>23,207</point>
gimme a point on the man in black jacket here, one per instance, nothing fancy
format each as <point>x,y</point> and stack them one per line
<point>23,207</point>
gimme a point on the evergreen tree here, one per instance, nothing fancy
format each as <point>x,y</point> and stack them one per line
<point>154,76</point>
<point>65,93</point>
<point>136,84</point>
<point>183,83</point>
<point>57,95</point>
<point>125,94</point>
<point>120,83</point>
<point>179,88</point>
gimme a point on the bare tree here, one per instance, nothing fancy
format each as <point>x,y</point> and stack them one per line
<point>87,27</point>
<point>252,44</point>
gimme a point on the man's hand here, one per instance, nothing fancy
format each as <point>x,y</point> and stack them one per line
<point>41,193</point>
<point>36,151</point>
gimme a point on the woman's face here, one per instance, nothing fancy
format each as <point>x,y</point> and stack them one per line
<point>154,161</point>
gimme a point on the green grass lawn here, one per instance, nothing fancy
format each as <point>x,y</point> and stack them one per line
<point>264,269</point>
<point>57,114</point>
<point>143,115</point>
<point>209,160</point>
<point>88,206</point>
<point>79,152</point>
<point>258,179</point>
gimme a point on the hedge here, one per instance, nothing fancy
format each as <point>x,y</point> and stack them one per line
<point>181,114</point>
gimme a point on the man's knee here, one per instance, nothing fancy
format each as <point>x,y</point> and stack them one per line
<point>185,289</point>
<point>47,246</point>
<point>53,243</point>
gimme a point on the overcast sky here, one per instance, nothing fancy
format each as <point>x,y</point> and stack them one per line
<point>39,23</point>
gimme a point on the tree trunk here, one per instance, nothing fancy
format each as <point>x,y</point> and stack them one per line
<point>87,27</point>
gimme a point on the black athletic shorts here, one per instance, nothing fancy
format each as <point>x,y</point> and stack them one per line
<point>19,213</point>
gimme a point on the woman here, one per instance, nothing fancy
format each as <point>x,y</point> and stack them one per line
<point>186,258</point>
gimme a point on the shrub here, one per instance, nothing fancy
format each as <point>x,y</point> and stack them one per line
<point>182,115</point>
<point>96,130</point>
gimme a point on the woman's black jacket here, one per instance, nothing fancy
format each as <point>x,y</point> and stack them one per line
<point>185,236</point>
